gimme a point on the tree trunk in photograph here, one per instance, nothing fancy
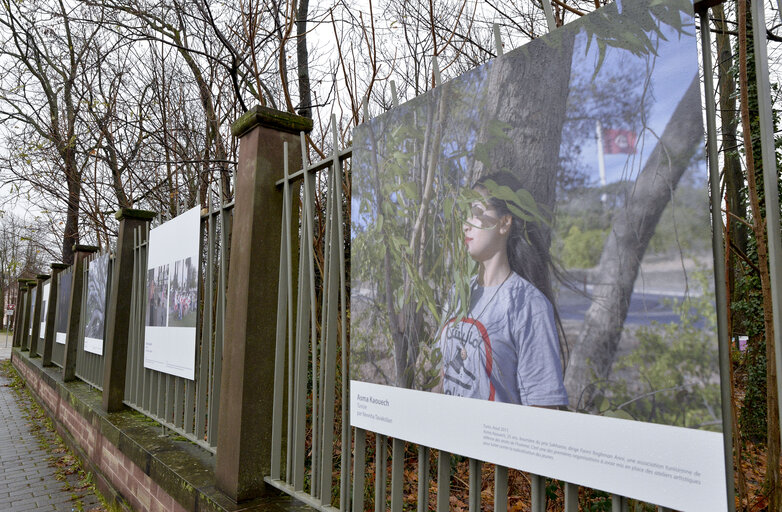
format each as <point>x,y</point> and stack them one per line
<point>528,91</point>
<point>632,228</point>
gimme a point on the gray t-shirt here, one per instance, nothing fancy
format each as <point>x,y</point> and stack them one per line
<point>506,349</point>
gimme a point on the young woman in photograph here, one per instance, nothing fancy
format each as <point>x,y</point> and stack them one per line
<point>506,348</point>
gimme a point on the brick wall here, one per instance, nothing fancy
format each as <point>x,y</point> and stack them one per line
<point>129,480</point>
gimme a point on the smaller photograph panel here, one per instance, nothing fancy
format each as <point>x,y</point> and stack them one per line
<point>183,295</point>
<point>30,321</point>
<point>63,306</point>
<point>97,286</point>
<point>157,296</point>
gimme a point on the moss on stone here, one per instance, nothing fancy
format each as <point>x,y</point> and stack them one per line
<point>270,118</point>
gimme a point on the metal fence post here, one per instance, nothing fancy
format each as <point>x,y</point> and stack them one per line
<point>80,253</point>
<point>28,312</point>
<point>19,312</point>
<point>51,315</point>
<point>36,326</point>
<point>119,306</point>
<point>246,401</point>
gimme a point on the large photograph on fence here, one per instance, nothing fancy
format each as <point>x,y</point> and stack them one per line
<point>63,304</point>
<point>172,295</point>
<point>32,309</point>
<point>95,310</point>
<point>44,308</point>
<point>536,232</point>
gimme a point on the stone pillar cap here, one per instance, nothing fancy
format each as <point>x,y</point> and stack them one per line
<point>85,248</point>
<point>43,276</point>
<point>130,213</point>
<point>270,118</point>
<point>59,266</point>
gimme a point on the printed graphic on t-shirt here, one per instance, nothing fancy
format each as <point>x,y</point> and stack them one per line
<point>468,360</point>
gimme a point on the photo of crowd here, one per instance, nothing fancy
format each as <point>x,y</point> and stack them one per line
<point>183,299</point>
<point>157,296</point>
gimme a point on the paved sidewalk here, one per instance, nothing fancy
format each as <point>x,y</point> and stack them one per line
<point>28,473</point>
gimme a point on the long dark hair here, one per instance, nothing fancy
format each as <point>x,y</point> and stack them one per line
<point>529,243</point>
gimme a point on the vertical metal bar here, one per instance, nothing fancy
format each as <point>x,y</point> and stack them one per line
<point>443,481</point>
<point>169,409</point>
<point>344,495</point>
<point>214,405</point>
<point>423,479</point>
<point>295,439</point>
<point>154,392</point>
<point>500,489</point>
<point>476,470</point>
<point>141,376</point>
<point>307,264</point>
<point>165,383</point>
<point>380,473</point>
<point>279,351</point>
<point>497,40</point>
<point>179,398</point>
<point>329,329</point>
<point>549,12</point>
<point>203,330</point>
<point>397,472</point>
<point>359,465</point>
<point>718,247</point>
<point>81,359</point>
<point>770,184</point>
<point>206,334</point>
<point>302,340</point>
<point>618,503</point>
<point>571,497</point>
<point>130,382</point>
<point>139,299</point>
<point>537,493</point>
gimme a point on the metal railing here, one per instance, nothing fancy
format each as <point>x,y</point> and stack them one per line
<point>316,455</point>
<point>89,364</point>
<point>58,349</point>
<point>188,407</point>
<point>41,333</point>
<point>312,337</point>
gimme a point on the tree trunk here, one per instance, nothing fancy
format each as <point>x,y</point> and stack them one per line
<point>772,481</point>
<point>736,208</point>
<point>631,230</point>
<point>303,63</point>
<point>71,233</point>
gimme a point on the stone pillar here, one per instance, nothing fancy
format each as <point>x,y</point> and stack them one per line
<point>244,436</point>
<point>51,315</point>
<point>21,294</point>
<point>36,327</point>
<point>80,253</point>
<point>28,313</point>
<point>118,308</point>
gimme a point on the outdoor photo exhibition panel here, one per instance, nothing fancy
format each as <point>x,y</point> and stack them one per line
<point>32,307</point>
<point>536,232</point>
<point>172,296</point>
<point>44,303</point>
<point>95,311</point>
<point>63,305</point>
